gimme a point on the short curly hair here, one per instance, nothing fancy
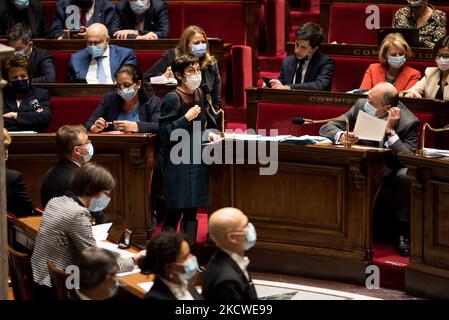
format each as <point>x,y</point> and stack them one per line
<point>16,62</point>
<point>161,250</point>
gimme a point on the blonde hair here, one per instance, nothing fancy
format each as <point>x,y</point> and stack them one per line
<point>184,41</point>
<point>397,40</point>
<point>6,138</point>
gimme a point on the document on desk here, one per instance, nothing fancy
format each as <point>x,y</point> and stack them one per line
<point>369,128</point>
<point>100,231</point>
<point>162,79</point>
<point>146,286</point>
<point>114,248</point>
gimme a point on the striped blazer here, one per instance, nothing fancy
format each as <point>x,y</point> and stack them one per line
<point>64,232</point>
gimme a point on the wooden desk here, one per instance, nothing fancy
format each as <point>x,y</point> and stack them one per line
<point>314,216</point>
<point>439,109</point>
<point>128,157</point>
<point>362,51</point>
<point>428,272</point>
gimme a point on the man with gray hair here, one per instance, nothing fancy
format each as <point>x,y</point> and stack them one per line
<point>401,135</point>
<point>226,277</point>
<point>98,269</point>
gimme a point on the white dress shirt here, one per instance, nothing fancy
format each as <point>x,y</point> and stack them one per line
<point>242,262</point>
<point>91,76</point>
<point>180,291</point>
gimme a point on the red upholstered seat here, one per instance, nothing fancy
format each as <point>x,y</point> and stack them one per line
<point>146,59</point>
<point>349,72</point>
<point>347,23</point>
<point>241,74</point>
<point>176,18</point>
<point>279,116</point>
<point>275,27</point>
<point>70,110</point>
<point>430,136</point>
<point>62,59</point>
<point>229,22</point>
<point>50,9</point>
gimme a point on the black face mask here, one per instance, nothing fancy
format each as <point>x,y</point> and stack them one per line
<point>20,86</point>
<point>83,4</point>
<point>417,6</point>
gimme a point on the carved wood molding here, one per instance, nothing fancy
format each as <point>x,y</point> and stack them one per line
<point>357,176</point>
<point>136,156</point>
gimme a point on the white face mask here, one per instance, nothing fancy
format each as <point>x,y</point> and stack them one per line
<point>396,62</point>
<point>90,153</point>
<point>193,82</point>
<point>443,63</point>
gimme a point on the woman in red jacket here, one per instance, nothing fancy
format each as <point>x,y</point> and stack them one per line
<point>394,52</point>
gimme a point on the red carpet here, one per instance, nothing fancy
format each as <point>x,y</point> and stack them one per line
<point>392,266</point>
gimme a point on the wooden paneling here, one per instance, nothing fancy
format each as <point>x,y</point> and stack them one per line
<point>128,157</point>
<point>428,273</point>
<point>315,209</point>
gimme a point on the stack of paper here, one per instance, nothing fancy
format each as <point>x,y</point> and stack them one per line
<point>100,231</point>
<point>369,128</point>
<point>163,80</point>
<point>436,153</point>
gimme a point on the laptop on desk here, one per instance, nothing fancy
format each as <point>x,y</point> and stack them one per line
<point>411,35</point>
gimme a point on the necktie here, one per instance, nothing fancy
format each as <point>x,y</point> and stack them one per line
<point>101,75</point>
<point>298,77</point>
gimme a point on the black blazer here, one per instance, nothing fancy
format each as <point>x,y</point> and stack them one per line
<point>112,104</point>
<point>18,200</point>
<point>224,280</point>
<point>210,77</point>
<point>26,118</point>
<point>318,75</point>
<point>103,13</point>
<point>34,16</point>
<point>156,18</point>
<point>159,291</point>
<point>43,66</point>
<point>56,180</point>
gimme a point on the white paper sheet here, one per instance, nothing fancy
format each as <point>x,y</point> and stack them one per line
<point>163,80</point>
<point>369,128</point>
<point>114,248</point>
<point>100,231</point>
<point>436,152</point>
<point>146,286</point>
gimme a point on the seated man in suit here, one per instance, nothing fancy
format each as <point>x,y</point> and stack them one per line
<point>308,68</point>
<point>98,63</point>
<point>72,15</point>
<point>30,12</point>
<point>19,37</point>
<point>18,200</point>
<point>98,269</point>
<point>226,277</point>
<point>401,135</point>
<point>140,19</point>
<point>74,149</point>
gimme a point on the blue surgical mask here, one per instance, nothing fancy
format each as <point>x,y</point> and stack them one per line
<point>96,51</point>
<point>98,204</point>
<point>21,53</point>
<point>20,86</point>
<point>396,62</point>
<point>21,4</point>
<point>90,153</point>
<point>139,6</point>
<point>251,237</point>
<point>127,93</point>
<point>190,269</point>
<point>368,107</point>
<point>199,49</point>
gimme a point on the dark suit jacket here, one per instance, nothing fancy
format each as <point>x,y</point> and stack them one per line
<point>103,13</point>
<point>80,61</point>
<point>43,66</point>
<point>159,291</point>
<point>112,104</point>
<point>18,200</point>
<point>224,280</point>
<point>27,119</point>
<point>156,18</point>
<point>318,75</point>
<point>406,129</point>
<point>56,180</point>
<point>34,16</point>
<point>210,77</point>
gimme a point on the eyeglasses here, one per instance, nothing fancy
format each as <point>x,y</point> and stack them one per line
<point>83,144</point>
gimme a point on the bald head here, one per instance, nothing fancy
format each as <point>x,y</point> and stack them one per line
<point>383,95</point>
<point>224,221</point>
<point>97,29</point>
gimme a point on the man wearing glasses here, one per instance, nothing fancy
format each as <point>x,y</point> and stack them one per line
<point>74,149</point>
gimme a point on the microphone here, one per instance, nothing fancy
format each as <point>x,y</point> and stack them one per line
<point>298,120</point>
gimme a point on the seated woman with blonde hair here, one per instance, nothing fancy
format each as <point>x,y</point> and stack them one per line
<point>393,54</point>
